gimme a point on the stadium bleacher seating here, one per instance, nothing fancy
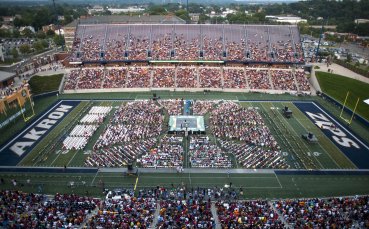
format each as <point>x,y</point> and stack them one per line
<point>189,77</point>
<point>269,43</point>
<point>178,207</point>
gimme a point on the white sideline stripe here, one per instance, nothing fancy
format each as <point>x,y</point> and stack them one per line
<point>164,177</point>
<point>333,119</point>
<point>30,126</point>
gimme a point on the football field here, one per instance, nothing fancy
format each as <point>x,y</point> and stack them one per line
<point>328,155</point>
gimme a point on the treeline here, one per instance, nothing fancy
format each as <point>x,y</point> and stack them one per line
<point>38,16</point>
<point>341,13</point>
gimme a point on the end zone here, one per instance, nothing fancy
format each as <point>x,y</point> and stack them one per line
<point>19,146</point>
<point>352,146</point>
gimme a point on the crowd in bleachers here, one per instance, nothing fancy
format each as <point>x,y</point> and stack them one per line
<point>28,210</point>
<point>234,78</point>
<point>187,77</point>
<point>185,47</point>
<point>258,79</point>
<point>178,207</point>
<point>163,77</point>
<point>283,80</point>
<point>247,214</point>
<point>131,122</point>
<point>126,212</point>
<point>138,77</point>
<point>210,78</point>
<point>138,46</point>
<point>187,42</point>
<point>341,212</point>
<point>302,81</point>
<point>71,80</point>
<point>115,78</point>
<point>90,79</point>
<point>161,46</point>
<point>205,154</point>
<point>187,213</point>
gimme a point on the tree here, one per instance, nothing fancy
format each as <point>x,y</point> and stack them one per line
<point>25,48</point>
<point>27,33</point>
<point>16,33</point>
<point>45,44</point>
<point>18,22</point>
<point>38,46</point>
<point>362,29</point>
<point>183,14</point>
<point>5,33</point>
<point>203,18</point>
<point>59,40</point>
<point>15,53</point>
<point>40,34</point>
<point>50,33</point>
<point>157,10</point>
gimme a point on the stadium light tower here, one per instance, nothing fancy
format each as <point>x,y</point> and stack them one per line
<point>320,38</point>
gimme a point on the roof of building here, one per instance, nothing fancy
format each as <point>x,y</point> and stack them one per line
<point>126,19</point>
<point>6,75</point>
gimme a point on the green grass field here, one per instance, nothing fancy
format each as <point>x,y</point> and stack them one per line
<point>287,132</point>
<point>43,84</point>
<point>298,153</point>
<point>337,86</point>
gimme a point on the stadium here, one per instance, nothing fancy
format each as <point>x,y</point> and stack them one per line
<point>185,126</point>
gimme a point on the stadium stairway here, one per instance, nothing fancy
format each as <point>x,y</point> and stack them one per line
<point>215,216</point>
<point>88,217</point>
<point>295,80</point>
<point>156,214</point>
<point>270,79</point>
<point>246,78</point>
<point>286,225</point>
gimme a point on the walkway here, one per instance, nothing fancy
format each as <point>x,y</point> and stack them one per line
<point>338,69</point>
<point>280,216</point>
<point>156,215</point>
<point>215,216</point>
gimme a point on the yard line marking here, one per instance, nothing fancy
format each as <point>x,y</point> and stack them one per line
<point>136,184</point>
<point>52,161</point>
<point>94,177</point>
<point>72,158</point>
<point>278,180</point>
